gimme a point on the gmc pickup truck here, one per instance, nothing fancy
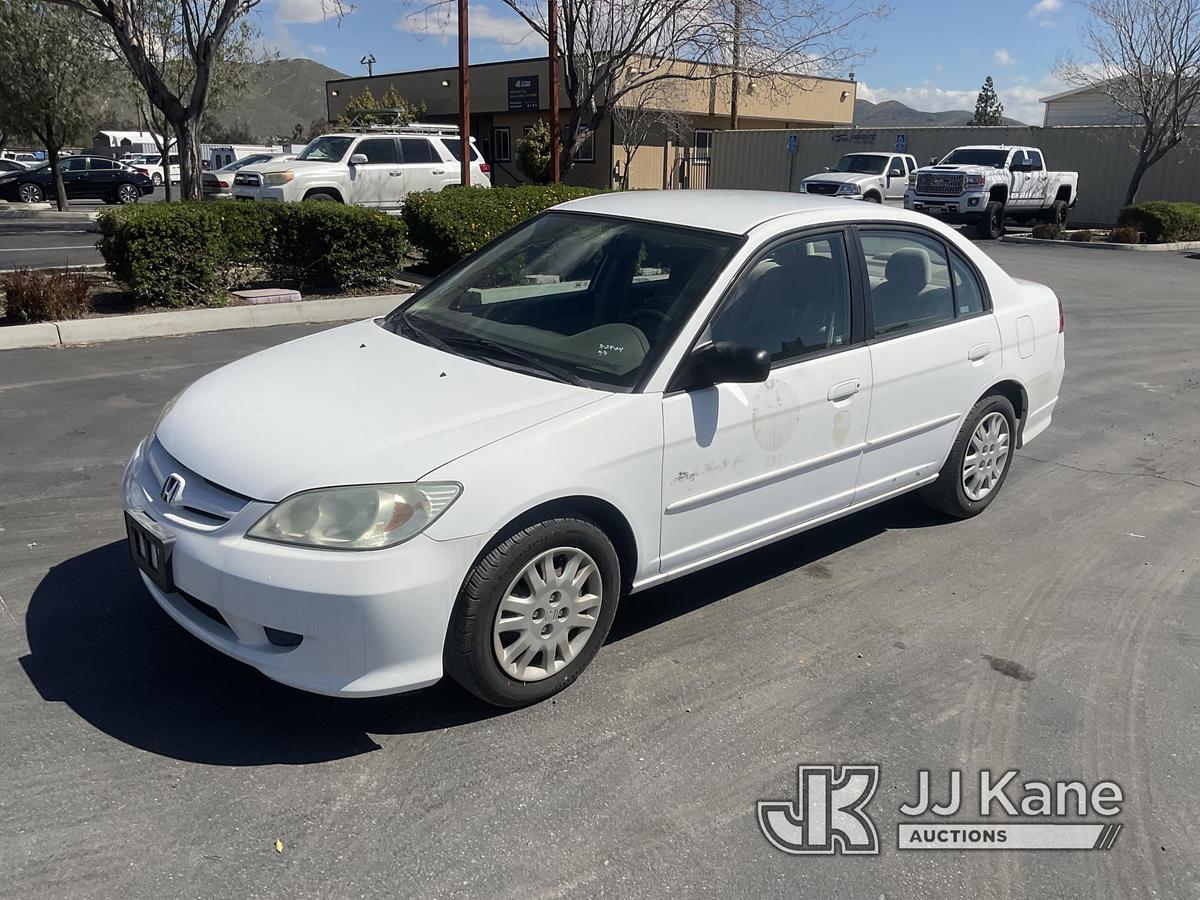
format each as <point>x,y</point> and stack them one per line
<point>984,185</point>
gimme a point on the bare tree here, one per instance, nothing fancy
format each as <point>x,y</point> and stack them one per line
<point>179,89</point>
<point>1147,63</point>
<point>650,113</point>
<point>610,48</point>
<point>48,70</point>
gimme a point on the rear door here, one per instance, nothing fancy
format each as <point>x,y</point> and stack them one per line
<point>102,177</point>
<point>378,182</point>
<point>424,168</point>
<point>935,348</point>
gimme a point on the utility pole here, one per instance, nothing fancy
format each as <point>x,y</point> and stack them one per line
<point>737,63</point>
<point>369,62</point>
<point>464,94</point>
<point>555,154</point>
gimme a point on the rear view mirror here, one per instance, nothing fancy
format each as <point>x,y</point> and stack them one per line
<point>358,159</point>
<point>724,362</point>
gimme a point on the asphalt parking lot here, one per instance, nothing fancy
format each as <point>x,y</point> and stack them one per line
<point>1059,634</point>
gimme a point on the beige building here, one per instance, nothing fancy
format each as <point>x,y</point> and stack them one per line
<point>508,97</point>
<point>1088,106</point>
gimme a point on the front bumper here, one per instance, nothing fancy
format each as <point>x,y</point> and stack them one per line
<point>356,624</point>
<point>963,206</point>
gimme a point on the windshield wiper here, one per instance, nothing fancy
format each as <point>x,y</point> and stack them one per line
<point>425,337</point>
<point>529,360</point>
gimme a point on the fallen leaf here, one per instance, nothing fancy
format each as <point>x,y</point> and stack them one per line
<point>278,845</point>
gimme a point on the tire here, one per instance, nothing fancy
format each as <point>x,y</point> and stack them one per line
<point>30,193</point>
<point>127,193</point>
<point>547,627</point>
<point>1059,212</point>
<point>156,179</point>
<point>991,223</point>
<point>950,493</point>
<point>873,198</point>
<point>322,196</point>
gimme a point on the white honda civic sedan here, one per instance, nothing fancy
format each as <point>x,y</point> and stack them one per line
<point>623,390</point>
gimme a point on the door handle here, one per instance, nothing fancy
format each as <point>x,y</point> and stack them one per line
<point>978,352</point>
<point>844,390</point>
<point>395,174</point>
<point>439,171</point>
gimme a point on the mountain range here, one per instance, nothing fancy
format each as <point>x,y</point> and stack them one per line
<point>893,113</point>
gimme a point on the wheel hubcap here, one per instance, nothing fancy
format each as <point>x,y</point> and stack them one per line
<point>548,614</point>
<point>128,194</point>
<point>29,194</point>
<point>987,455</point>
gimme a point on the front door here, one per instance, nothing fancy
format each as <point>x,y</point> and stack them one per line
<point>935,348</point>
<point>743,463</point>
<point>896,184</point>
<point>378,182</point>
<point>74,175</point>
<point>1018,192</point>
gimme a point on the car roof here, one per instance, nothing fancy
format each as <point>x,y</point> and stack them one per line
<point>732,212</point>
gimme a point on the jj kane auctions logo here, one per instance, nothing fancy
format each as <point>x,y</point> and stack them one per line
<point>829,814</point>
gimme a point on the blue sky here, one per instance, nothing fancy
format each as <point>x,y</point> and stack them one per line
<point>930,54</point>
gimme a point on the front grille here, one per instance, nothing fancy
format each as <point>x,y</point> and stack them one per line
<point>247,179</point>
<point>946,184</point>
<point>201,504</point>
<point>821,187</point>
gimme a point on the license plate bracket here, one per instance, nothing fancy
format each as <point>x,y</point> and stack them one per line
<point>150,546</point>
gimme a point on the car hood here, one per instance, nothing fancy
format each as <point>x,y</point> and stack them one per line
<point>965,170</point>
<point>306,166</point>
<point>352,405</point>
<point>847,177</point>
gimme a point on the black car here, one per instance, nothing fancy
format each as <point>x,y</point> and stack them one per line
<point>84,177</point>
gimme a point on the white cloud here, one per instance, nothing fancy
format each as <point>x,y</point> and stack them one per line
<point>307,11</point>
<point>1021,99</point>
<point>317,50</point>
<point>1003,57</point>
<point>511,31</point>
<point>1044,7</point>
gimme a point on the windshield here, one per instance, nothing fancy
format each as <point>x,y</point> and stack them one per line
<point>861,164</point>
<point>577,297</point>
<point>968,156</point>
<point>327,149</point>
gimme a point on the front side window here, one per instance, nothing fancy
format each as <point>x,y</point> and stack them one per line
<point>73,165</point>
<point>794,301</point>
<point>329,148</point>
<point>378,150</point>
<point>910,281</point>
<point>579,298</point>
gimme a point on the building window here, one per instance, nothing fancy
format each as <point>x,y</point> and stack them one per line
<point>703,142</point>
<point>501,151</point>
<point>587,150</point>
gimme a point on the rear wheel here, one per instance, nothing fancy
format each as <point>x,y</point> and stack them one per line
<point>991,223</point>
<point>30,193</point>
<point>533,612</point>
<point>127,193</point>
<point>157,179</point>
<point>979,460</point>
<point>1059,212</point>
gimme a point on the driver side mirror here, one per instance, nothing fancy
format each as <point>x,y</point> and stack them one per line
<point>358,159</point>
<point>895,173</point>
<point>933,160</point>
<point>723,362</point>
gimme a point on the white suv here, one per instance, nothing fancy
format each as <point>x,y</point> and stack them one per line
<point>376,168</point>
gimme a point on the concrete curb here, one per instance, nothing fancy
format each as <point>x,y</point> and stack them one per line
<point>75,217</point>
<point>1102,245</point>
<point>194,321</point>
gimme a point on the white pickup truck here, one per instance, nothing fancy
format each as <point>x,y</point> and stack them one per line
<point>984,185</point>
<point>873,177</point>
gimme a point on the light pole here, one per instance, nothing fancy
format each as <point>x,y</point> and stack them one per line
<point>464,93</point>
<point>555,155</point>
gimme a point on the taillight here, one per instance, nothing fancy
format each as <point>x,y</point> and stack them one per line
<point>1062,319</point>
<point>222,183</point>
<point>143,172</point>
<point>485,168</point>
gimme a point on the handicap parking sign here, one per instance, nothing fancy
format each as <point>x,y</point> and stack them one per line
<point>901,142</point>
<point>793,143</point>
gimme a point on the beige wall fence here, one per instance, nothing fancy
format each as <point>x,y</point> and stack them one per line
<point>1103,155</point>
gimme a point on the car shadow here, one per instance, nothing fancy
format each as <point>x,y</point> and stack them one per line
<point>99,644</point>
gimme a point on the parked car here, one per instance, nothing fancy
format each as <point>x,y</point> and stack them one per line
<point>987,184</point>
<point>84,178</point>
<point>218,184</point>
<point>625,389</point>
<point>29,159</point>
<point>874,177</point>
<point>11,165</point>
<point>151,165</point>
<point>376,168</point>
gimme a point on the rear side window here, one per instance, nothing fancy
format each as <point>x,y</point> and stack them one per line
<point>417,150</point>
<point>102,165</point>
<point>454,145</point>
<point>1036,158</point>
<point>378,150</point>
<point>910,281</point>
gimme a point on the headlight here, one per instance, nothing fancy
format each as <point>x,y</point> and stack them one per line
<point>848,188</point>
<point>975,181</point>
<point>278,178</point>
<point>912,179</point>
<point>803,189</point>
<point>362,517</point>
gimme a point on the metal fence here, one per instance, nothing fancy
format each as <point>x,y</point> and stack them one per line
<point>1103,155</point>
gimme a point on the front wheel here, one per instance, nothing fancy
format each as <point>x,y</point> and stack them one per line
<point>979,460</point>
<point>991,223</point>
<point>533,612</point>
<point>873,198</point>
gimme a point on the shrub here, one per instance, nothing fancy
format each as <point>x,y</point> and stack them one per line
<point>1083,237</point>
<point>1048,231</point>
<point>330,245</point>
<point>168,254</point>
<point>455,222</point>
<point>40,296</point>
<point>533,153</point>
<point>1126,234</point>
<point>1163,221</point>
<point>184,254</point>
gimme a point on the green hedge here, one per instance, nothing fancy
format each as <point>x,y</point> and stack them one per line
<point>455,222</point>
<point>1163,221</point>
<point>181,254</point>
